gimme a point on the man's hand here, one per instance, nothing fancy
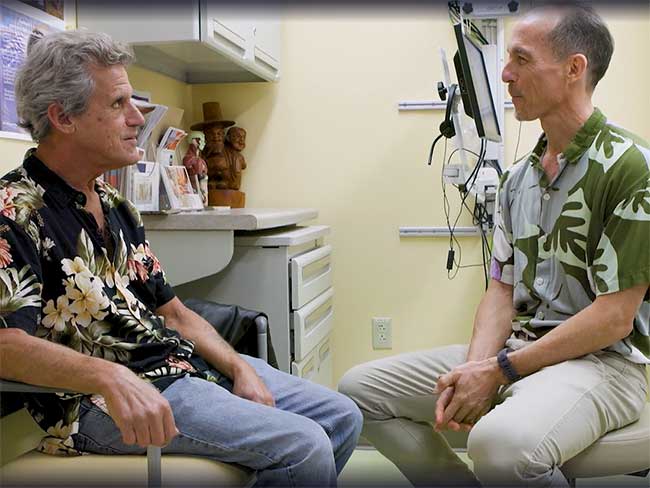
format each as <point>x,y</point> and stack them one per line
<point>443,400</point>
<point>142,414</point>
<point>474,386</point>
<point>247,384</point>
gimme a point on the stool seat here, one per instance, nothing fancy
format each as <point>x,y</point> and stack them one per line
<point>622,451</point>
<point>37,469</point>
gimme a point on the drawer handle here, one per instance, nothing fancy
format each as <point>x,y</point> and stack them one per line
<point>309,367</point>
<point>318,316</point>
<point>324,351</point>
<point>316,269</point>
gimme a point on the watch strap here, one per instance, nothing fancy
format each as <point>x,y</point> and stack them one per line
<point>506,366</point>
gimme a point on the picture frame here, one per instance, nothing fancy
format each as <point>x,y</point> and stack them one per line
<point>18,21</point>
<point>179,190</point>
<point>144,186</point>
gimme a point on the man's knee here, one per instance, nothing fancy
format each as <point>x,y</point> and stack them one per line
<point>356,384</point>
<point>350,384</point>
<point>310,443</point>
<point>349,418</point>
<point>503,454</point>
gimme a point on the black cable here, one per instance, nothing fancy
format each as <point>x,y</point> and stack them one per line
<point>474,174</point>
<point>483,254</point>
<point>433,145</point>
<point>454,260</point>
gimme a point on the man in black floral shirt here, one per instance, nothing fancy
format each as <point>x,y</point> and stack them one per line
<point>85,304</point>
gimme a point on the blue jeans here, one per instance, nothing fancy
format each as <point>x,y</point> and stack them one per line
<point>304,441</point>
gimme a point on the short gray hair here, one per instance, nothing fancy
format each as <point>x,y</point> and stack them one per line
<point>57,69</point>
<point>581,30</point>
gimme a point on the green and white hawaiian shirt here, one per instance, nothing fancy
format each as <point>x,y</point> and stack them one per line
<point>564,242</point>
<point>64,280</point>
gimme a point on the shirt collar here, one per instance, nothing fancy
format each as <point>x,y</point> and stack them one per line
<point>584,137</point>
<point>578,145</point>
<point>55,187</point>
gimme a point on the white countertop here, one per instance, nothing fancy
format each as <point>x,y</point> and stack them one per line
<point>229,219</point>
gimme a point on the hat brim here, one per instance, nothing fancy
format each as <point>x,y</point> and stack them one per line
<point>211,123</point>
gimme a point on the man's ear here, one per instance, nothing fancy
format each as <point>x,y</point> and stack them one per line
<point>577,67</point>
<point>59,119</point>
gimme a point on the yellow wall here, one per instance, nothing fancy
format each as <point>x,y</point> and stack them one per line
<point>329,136</point>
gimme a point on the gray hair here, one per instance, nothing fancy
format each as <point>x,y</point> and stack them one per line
<point>581,30</point>
<point>57,69</point>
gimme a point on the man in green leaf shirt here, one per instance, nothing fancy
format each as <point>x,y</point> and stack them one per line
<point>561,337</point>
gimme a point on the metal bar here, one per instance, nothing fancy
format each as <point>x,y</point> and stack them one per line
<point>438,231</point>
<point>433,105</point>
<point>154,469</point>
<point>262,338</point>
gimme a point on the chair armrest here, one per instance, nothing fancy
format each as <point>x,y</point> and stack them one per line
<point>262,337</point>
<point>16,387</point>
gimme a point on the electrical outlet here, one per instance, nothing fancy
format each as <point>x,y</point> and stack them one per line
<point>382,334</point>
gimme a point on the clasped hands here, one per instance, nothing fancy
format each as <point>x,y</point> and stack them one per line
<point>466,393</point>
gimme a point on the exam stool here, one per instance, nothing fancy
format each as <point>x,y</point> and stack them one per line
<point>624,451</point>
<point>20,434</point>
<point>619,452</point>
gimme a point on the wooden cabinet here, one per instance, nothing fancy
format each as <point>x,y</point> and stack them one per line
<point>199,41</point>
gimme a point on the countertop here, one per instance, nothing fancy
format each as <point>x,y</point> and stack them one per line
<point>229,219</point>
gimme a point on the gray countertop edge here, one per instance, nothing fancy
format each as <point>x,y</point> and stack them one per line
<point>230,219</point>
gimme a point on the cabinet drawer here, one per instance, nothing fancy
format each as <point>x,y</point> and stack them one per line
<point>312,323</point>
<point>311,275</point>
<point>307,368</point>
<point>317,365</point>
<point>324,376</point>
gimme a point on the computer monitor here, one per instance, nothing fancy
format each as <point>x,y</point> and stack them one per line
<point>475,86</point>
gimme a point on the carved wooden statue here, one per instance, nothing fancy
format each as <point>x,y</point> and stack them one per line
<point>235,143</point>
<point>220,187</point>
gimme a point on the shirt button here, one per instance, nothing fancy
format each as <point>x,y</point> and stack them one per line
<point>539,281</point>
<point>546,197</point>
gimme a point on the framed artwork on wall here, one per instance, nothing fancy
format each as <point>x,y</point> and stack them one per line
<point>19,20</point>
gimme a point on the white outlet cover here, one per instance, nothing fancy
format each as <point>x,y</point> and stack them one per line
<point>382,337</point>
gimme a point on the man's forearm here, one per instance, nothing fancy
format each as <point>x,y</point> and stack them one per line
<point>39,362</point>
<point>208,343</point>
<point>493,322</point>
<point>606,321</point>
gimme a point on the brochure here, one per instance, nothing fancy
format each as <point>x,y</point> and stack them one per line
<point>179,189</point>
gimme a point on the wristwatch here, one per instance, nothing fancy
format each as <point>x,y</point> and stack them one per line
<point>506,366</point>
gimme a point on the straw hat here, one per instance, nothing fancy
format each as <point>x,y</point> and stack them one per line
<point>211,117</point>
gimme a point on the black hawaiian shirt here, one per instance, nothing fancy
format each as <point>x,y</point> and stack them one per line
<point>64,280</point>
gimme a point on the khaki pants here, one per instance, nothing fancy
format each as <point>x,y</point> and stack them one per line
<point>538,423</point>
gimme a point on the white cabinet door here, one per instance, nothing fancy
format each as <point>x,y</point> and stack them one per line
<point>140,23</point>
<point>227,29</point>
<point>268,40</point>
<point>246,35</point>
